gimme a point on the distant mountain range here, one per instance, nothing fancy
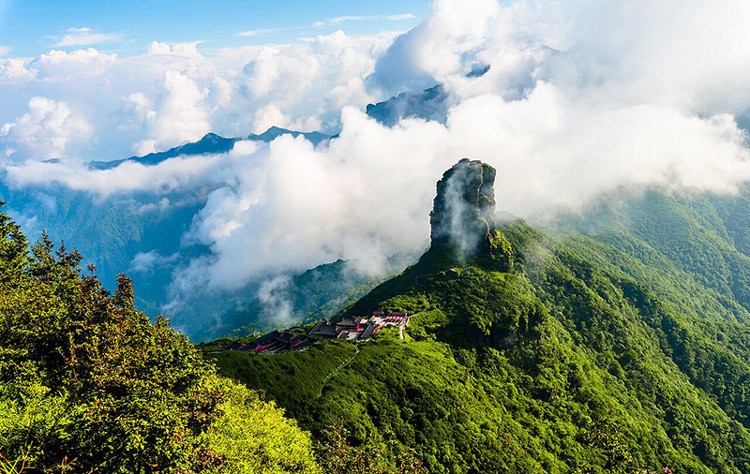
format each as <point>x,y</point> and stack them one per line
<point>211,143</point>
<point>431,104</point>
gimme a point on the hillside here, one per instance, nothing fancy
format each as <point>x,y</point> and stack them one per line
<point>617,342</point>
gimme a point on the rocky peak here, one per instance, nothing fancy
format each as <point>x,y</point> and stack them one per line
<point>463,214</point>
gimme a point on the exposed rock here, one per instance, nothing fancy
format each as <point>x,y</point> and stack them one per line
<point>463,214</point>
<point>430,104</point>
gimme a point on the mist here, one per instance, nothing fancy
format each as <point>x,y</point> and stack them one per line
<point>579,100</point>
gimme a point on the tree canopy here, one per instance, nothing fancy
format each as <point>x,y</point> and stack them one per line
<point>90,384</point>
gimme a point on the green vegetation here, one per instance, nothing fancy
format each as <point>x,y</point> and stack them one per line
<point>620,347</point>
<point>614,343</point>
<point>89,384</point>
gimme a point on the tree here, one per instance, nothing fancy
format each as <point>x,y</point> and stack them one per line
<point>90,384</point>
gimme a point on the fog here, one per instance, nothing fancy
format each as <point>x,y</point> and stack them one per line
<point>580,99</point>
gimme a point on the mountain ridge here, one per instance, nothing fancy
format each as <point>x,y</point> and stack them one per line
<point>210,143</point>
<point>561,362</point>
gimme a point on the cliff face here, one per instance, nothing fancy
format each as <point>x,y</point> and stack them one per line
<point>463,214</point>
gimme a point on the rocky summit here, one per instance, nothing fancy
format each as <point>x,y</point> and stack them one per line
<point>463,215</point>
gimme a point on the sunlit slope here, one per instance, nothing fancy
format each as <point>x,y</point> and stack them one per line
<point>556,352</point>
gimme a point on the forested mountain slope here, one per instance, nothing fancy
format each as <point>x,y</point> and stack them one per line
<point>616,347</point>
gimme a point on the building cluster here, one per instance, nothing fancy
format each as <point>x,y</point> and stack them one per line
<point>356,328</point>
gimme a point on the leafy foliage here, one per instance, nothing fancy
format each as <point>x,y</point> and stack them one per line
<point>89,384</point>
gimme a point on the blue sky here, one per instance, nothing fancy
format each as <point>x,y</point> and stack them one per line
<point>31,27</point>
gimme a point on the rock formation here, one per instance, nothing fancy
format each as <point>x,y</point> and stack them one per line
<point>463,214</point>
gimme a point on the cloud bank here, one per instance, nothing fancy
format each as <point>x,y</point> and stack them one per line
<point>46,130</point>
<point>172,93</point>
<point>580,99</point>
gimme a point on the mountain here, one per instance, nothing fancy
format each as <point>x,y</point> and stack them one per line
<point>617,341</point>
<point>431,104</point>
<point>314,294</point>
<point>316,138</point>
<point>209,144</point>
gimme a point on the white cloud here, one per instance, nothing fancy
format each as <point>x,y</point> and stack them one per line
<point>46,130</point>
<point>103,87</point>
<point>58,66</point>
<point>14,71</point>
<point>347,18</point>
<point>89,57</point>
<point>156,48</point>
<point>576,103</point>
<point>187,50</point>
<point>308,81</point>
<point>277,303</point>
<point>137,110</point>
<point>236,88</point>
<point>182,114</point>
<point>149,262</point>
<point>257,32</point>
<point>269,116</point>
<point>5,50</point>
<point>174,175</point>
<point>161,179</point>
<point>85,37</point>
<point>146,147</point>
<point>221,94</point>
<point>437,48</point>
<point>401,17</point>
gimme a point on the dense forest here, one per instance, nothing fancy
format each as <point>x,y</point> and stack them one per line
<point>90,384</point>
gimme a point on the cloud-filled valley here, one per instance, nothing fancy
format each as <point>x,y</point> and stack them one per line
<point>580,100</point>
